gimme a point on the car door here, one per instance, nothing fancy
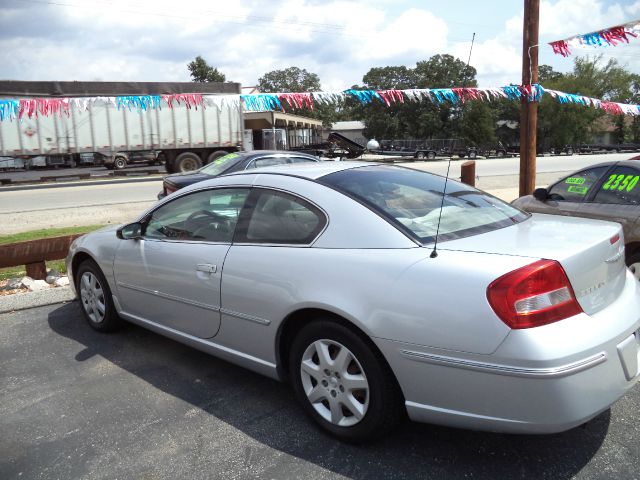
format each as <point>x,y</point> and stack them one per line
<point>617,199</point>
<point>271,240</point>
<point>567,196</point>
<point>171,276</point>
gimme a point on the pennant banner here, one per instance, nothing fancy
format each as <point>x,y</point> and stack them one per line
<point>11,109</point>
<point>603,38</point>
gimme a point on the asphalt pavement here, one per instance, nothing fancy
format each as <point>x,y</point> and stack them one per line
<point>75,403</point>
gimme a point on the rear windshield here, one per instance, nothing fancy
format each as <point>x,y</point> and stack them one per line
<point>219,165</point>
<point>411,200</point>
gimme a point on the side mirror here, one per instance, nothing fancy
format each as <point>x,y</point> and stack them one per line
<point>131,231</point>
<point>541,194</point>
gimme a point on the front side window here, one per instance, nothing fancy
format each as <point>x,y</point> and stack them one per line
<point>205,216</point>
<point>412,201</point>
<point>279,218</point>
<point>620,187</point>
<point>576,187</point>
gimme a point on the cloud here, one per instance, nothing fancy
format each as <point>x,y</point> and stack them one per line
<point>340,40</point>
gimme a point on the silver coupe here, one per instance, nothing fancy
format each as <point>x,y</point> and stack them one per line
<point>377,296</point>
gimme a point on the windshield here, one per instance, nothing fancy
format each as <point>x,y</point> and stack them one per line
<point>411,200</point>
<point>219,165</point>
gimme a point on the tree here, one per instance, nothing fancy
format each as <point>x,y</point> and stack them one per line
<point>567,124</point>
<point>201,71</point>
<point>292,79</point>
<point>425,120</point>
<point>297,80</point>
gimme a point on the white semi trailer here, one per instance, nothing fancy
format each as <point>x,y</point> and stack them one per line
<point>184,138</point>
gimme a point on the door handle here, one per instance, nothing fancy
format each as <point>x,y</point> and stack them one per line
<point>206,267</point>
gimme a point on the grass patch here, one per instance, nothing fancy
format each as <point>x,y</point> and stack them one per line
<point>46,233</point>
<point>20,271</point>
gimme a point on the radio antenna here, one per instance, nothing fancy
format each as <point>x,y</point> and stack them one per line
<point>434,252</point>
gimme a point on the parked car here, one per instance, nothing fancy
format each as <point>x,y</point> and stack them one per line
<point>120,160</point>
<point>233,162</point>
<point>606,191</point>
<point>326,275</point>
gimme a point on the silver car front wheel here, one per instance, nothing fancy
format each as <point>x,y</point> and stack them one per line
<point>95,297</point>
<point>334,382</point>
<point>92,297</point>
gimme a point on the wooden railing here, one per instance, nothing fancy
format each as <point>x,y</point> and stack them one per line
<point>34,253</point>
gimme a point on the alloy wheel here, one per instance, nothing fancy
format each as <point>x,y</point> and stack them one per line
<point>334,382</point>
<point>635,269</point>
<point>92,297</point>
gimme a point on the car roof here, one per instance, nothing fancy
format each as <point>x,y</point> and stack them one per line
<point>310,170</point>
<point>281,153</point>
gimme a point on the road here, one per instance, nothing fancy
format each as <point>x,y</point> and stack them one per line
<point>75,403</point>
<point>22,210</point>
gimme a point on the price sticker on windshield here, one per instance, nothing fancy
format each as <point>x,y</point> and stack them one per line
<point>575,180</point>
<point>578,190</point>
<point>621,183</point>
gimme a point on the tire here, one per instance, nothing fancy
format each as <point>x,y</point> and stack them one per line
<point>374,409</point>
<point>95,298</point>
<point>119,163</point>
<point>500,154</point>
<point>633,262</point>
<point>187,162</point>
<point>215,155</point>
<point>569,151</point>
<point>431,155</point>
<point>472,154</point>
<point>420,155</point>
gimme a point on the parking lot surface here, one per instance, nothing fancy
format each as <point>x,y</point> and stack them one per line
<point>75,403</point>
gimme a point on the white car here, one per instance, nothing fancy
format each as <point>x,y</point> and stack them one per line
<point>327,275</point>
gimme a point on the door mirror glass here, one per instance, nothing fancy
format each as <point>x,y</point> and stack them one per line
<point>540,194</point>
<point>130,231</point>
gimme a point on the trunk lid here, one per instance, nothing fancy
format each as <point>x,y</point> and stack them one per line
<point>590,251</point>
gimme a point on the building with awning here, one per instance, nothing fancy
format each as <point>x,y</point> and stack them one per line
<point>277,130</point>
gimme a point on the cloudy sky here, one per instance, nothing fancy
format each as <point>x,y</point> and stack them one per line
<point>140,40</point>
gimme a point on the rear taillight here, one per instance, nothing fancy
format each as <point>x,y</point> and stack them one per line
<point>534,295</point>
<point>169,188</point>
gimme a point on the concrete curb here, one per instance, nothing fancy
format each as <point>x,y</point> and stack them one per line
<point>83,183</point>
<point>22,301</point>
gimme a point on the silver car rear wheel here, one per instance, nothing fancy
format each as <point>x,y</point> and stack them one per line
<point>334,382</point>
<point>92,297</point>
<point>635,269</point>
<point>343,382</point>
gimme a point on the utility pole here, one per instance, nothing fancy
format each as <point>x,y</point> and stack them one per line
<point>529,110</point>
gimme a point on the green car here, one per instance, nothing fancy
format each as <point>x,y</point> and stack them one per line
<point>606,191</point>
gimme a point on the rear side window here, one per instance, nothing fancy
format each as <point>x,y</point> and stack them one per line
<point>411,200</point>
<point>576,187</point>
<point>267,162</point>
<point>279,218</point>
<point>620,187</point>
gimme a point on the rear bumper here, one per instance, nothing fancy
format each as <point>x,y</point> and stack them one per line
<point>542,380</point>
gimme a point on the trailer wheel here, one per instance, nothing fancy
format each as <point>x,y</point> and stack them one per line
<point>215,155</point>
<point>119,163</point>
<point>431,155</point>
<point>472,154</point>
<point>187,162</point>
<point>500,154</point>
<point>569,151</point>
<point>419,155</point>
